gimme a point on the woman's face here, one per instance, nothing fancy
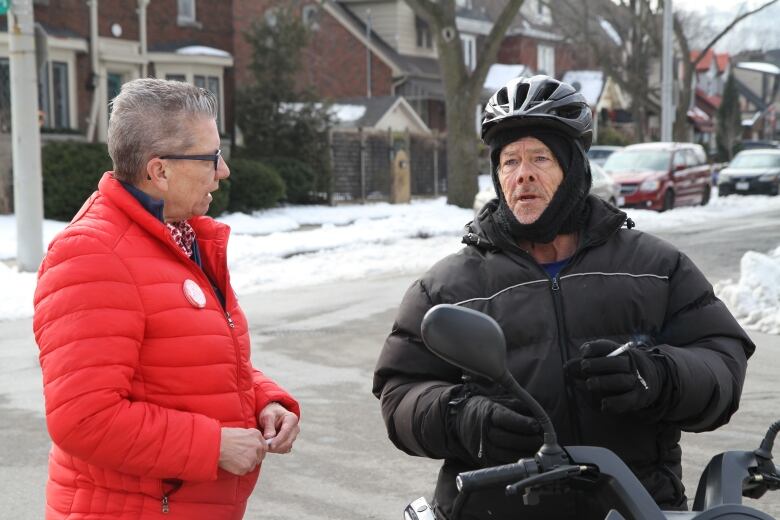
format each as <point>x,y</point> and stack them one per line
<point>190,182</point>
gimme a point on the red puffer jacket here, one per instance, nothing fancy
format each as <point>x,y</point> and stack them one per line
<point>137,378</point>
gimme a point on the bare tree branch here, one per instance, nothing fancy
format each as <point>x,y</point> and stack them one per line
<point>726,29</point>
<point>489,48</point>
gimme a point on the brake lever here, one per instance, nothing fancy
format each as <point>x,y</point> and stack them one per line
<point>560,473</point>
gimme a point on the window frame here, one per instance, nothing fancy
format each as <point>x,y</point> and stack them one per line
<point>468,44</point>
<point>186,18</point>
<point>189,72</point>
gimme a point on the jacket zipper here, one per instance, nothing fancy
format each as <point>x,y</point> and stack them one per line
<point>571,401</point>
<point>201,274</point>
<point>165,507</point>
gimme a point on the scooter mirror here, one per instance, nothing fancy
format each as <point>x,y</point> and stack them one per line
<point>466,338</point>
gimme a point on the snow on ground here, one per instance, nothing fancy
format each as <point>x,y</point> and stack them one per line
<point>301,245</point>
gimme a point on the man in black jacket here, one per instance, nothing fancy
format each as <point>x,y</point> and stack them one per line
<point>568,284</point>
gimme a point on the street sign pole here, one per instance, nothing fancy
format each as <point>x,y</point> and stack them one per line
<point>667,76</point>
<point>25,136</point>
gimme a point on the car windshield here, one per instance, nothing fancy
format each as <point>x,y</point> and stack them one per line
<point>599,154</point>
<point>630,160</point>
<point>756,160</point>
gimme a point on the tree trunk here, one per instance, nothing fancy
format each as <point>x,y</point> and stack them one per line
<point>462,162</point>
<point>682,130</point>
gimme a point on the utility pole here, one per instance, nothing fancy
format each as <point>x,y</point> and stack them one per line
<point>368,52</point>
<point>667,79</point>
<point>26,137</point>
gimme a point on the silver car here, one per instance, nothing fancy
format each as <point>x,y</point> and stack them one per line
<point>604,186</point>
<point>599,153</point>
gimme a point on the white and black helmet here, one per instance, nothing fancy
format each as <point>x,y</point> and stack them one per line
<point>538,101</point>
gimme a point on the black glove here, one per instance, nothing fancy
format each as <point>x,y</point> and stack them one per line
<point>494,434</point>
<point>631,381</point>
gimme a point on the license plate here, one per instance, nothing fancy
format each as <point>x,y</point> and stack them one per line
<point>743,185</point>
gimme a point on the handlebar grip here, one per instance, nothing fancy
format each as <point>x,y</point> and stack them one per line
<point>498,475</point>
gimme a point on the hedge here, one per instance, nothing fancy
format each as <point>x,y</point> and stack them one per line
<point>253,185</point>
<point>71,171</point>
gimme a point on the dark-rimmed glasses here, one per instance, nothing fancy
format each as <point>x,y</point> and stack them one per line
<point>214,157</point>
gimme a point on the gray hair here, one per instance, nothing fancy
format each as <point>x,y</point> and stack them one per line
<point>149,118</point>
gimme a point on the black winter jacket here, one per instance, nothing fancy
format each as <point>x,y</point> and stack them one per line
<point>619,284</point>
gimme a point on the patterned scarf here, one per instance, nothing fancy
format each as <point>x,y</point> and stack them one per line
<point>182,234</point>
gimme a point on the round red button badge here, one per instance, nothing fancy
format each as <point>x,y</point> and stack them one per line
<point>194,294</point>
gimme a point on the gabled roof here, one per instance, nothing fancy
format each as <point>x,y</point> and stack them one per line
<point>376,112</point>
<point>721,60</point>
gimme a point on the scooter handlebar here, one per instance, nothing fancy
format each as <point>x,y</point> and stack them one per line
<point>496,476</point>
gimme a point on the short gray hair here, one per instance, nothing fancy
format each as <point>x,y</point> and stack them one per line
<point>150,117</point>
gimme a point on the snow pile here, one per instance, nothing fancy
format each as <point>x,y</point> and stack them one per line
<point>755,298</point>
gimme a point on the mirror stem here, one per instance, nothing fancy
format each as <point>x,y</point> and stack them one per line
<point>550,454</point>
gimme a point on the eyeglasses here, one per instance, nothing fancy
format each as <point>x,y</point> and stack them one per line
<point>214,157</point>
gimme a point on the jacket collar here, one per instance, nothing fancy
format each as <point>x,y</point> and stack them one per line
<point>485,233</point>
<point>209,232</point>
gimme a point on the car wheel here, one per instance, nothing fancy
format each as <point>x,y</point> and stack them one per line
<point>705,197</point>
<point>668,200</point>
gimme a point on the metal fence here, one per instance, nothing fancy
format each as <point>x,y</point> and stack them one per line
<point>361,164</point>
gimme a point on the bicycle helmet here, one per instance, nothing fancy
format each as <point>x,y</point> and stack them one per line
<point>538,102</point>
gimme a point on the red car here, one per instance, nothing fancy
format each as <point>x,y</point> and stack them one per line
<point>661,176</point>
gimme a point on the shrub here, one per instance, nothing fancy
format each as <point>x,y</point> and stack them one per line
<point>221,199</point>
<point>299,180</point>
<point>612,136</point>
<point>71,171</point>
<point>253,185</point>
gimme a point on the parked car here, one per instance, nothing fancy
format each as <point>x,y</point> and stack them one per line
<point>661,176</point>
<point>751,171</point>
<point>751,144</point>
<point>604,186</point>
<point>599,153</point>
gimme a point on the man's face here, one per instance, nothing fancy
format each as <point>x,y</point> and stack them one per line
<point>529,175</point>
<point>190,182</point>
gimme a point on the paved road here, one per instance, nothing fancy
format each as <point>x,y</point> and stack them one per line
<point>321,343</point>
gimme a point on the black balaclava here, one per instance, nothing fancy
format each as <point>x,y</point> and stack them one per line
<point>567,211</point>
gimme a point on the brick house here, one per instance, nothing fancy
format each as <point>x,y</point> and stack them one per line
<point>174,39</point>
<point>403,57</point>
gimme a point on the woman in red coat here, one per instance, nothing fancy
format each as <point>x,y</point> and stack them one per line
<point>152,403</point>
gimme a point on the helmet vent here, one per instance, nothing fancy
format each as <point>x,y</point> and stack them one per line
<point>521,94</point>
<point>501,97</point>
<point>569,112</point>
<point>547,91</point>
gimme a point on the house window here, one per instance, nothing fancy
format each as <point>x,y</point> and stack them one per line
<point>5,96</point>
<point>210,83</point>
<point>424,39</point>
<point>59,103</point>
<point>113,87</point>
<point>545,60</point>
<point>54,95</point>
<point>309,16</point>
<point>469,44</point>
<point>186,12</point>
<point>208,79</point>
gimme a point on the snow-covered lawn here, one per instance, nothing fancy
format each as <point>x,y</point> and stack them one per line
<point>300,245</point>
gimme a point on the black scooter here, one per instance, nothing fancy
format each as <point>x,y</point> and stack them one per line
<point>450,332</point>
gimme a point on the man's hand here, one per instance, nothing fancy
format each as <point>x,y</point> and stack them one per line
<point>496,434</point>
<point>279,427</point>
<point>241,450</point>
<point>628,382</point>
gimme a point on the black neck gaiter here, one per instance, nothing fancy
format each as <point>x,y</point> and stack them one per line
<point>567,211</point>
